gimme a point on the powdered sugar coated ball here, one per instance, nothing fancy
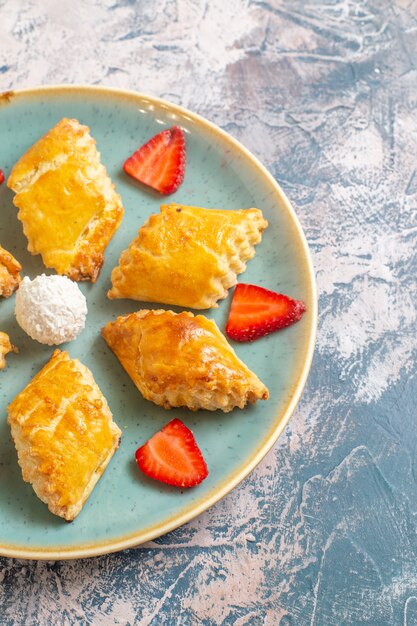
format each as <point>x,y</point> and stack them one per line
<point>51,309</point>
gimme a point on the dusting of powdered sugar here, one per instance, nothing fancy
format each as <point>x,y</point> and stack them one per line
<point>50,309</point>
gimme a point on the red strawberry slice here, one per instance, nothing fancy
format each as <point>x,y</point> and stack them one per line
<point>1,177</point>
<point>160,163</point>
<point>256,311</point>
<point>173,457</point>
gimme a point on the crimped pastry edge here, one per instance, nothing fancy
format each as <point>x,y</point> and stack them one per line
<point>88,258</point>
<point>29,463</point>
<point>220,401</point>
<point>219,285</point>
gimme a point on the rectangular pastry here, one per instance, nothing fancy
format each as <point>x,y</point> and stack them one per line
<point>187,256</point>
<point>67,202</point>
<point>64,434</point>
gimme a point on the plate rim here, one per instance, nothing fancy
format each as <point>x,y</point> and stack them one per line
<point>282,417</point>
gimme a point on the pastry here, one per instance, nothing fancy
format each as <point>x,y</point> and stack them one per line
<point>9,273</point>
<point>5,348</point>
<point>187,256</point>
<point>64,434</point>
<point>182,360</point>
<point>67,202</point>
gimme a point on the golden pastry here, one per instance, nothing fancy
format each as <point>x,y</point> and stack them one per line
<point>182,360</point>
<point>5,348</point>
<point>9,273</point>
<point>64,434</point>
<point>67,202</point>
<point>187,256</point>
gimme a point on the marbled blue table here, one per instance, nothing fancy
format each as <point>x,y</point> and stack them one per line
<point>323,533</point>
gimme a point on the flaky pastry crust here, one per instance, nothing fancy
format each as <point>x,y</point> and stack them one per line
<point>182,360</point>
<point>9,273</point>
<point>187,256</point>
<point>64,434</point>
<point>5,347</point>
<point>67,202</point>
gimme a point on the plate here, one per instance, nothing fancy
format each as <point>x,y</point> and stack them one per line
<point>126,508</point>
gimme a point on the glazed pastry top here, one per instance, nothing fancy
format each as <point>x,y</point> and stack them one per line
<point>182,360</point>
<point>63,431</point>
<point>66,201</point>
<point>187,256</point>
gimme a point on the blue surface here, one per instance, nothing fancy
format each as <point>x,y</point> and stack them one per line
<point>323,533</point>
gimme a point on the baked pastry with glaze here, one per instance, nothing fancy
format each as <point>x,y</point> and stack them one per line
<point>9,273</point>
<point>182,360</point>
<point>187,256</point>
<point>67,202</point>
<point>64,434</point>
<point>5,347</point>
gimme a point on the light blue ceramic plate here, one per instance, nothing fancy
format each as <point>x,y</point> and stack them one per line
<point>126,508</point>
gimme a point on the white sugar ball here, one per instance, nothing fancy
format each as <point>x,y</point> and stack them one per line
<point>51,309</point>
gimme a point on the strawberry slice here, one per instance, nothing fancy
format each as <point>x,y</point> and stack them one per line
<point>160,163</point>
<point>173,457</point>
<point>256,311</point>
<point>1,177</point>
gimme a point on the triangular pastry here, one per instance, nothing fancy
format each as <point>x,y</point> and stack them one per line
<point>9,273</point>
<point>187,256</point>
<point>67,202</point>
<point>64,434</point>
<point>182,360</point>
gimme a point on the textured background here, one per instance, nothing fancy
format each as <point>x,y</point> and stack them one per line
<point>325,93</point>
